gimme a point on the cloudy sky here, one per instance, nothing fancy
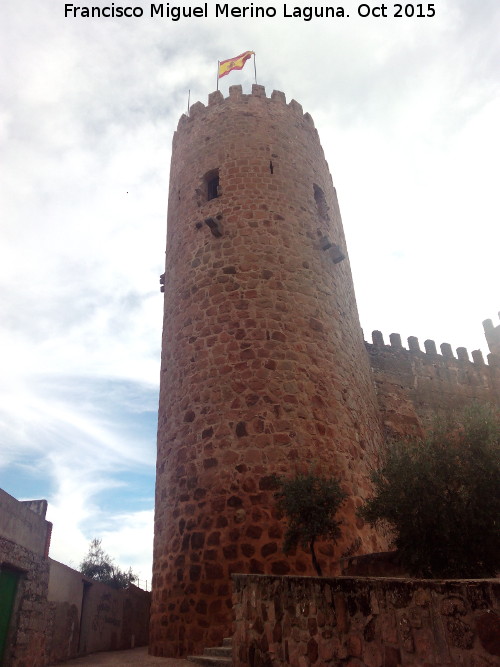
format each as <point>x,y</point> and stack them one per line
<point>408,112</point>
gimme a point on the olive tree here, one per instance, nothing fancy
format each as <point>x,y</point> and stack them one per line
<point>98,565</point>
<point>309,502</point>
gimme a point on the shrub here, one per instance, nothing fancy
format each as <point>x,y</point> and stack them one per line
<point>309,502</point>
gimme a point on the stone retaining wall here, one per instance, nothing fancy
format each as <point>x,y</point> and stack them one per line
<point>365,622</point>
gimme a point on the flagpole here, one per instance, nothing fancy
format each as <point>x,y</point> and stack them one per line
<point>254,67</point>
<point>189,98</point>
<point>218,66</point>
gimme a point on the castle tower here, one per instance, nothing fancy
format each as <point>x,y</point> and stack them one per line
<point>264,368</point>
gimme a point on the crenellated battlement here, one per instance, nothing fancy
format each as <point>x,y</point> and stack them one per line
<point>492,334</point>
<point>415,384</point>
<point>217,101</point>
<point>430,349</point>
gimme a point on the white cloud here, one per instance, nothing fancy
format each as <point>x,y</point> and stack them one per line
<point>407,112</point>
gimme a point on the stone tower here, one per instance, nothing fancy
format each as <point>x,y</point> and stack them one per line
<point>264,368</point>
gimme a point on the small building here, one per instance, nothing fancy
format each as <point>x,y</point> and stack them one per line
<point>24,580</point>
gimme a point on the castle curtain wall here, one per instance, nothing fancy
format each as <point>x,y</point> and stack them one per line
<point>415,385</point>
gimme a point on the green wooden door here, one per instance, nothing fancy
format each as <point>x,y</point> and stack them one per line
<point>8,587</point>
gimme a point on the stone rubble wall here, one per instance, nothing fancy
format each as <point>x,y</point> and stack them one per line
<point>26,643</point>
<point>365,622</point>
<point>24,541</point>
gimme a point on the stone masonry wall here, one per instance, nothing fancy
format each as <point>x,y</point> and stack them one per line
<point>414,385</point>
<point>263,363</point>
<point>114,619</point>
<point>26,639</point>
<point>366,622</point>
<point>24,523</point>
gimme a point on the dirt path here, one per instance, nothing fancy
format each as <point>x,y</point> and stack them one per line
<point>136,656</point>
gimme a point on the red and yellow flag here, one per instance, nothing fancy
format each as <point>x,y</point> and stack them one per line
<point>226,66</point>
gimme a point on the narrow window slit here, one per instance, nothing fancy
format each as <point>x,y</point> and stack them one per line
<point>212,185</point>
<point>321,205</point>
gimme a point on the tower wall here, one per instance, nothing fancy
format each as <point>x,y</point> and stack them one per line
<point>263,370</point>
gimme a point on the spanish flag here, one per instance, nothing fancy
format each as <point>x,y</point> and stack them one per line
<point>226,66</point>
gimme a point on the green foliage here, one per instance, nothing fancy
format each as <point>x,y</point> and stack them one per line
<point>99,566</point>
<point>309,502</point>
<point>441,495</point>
